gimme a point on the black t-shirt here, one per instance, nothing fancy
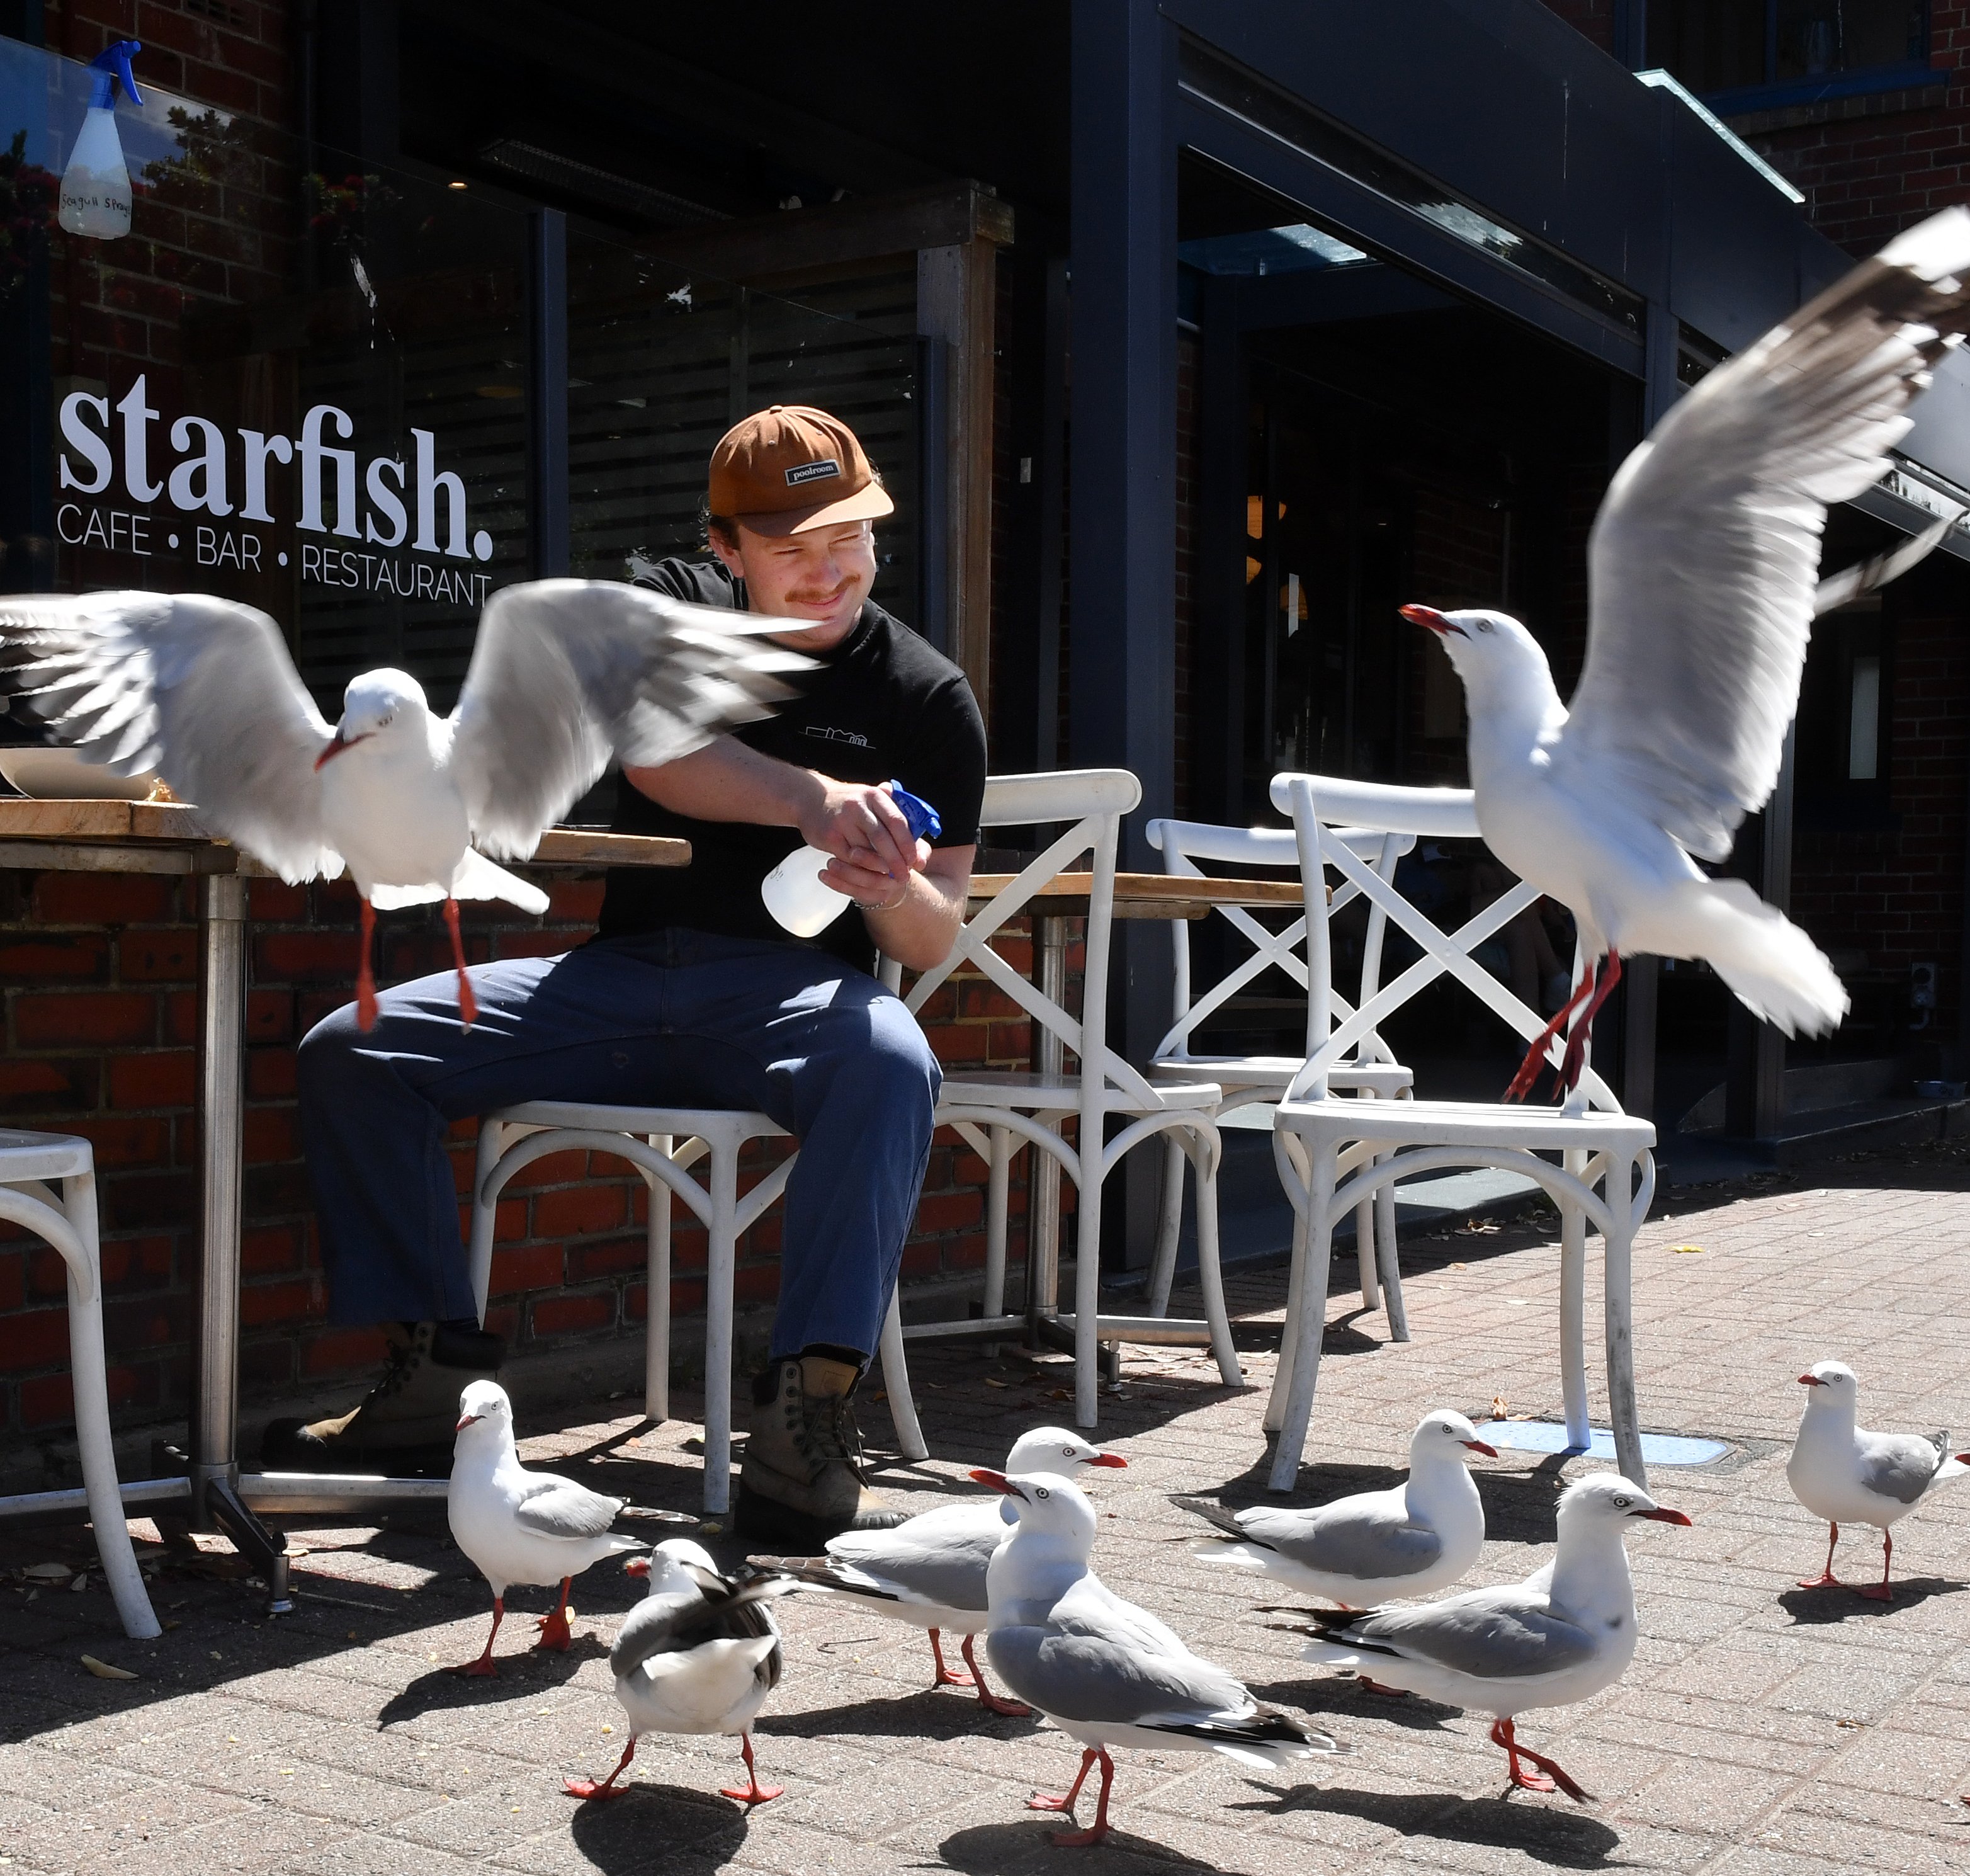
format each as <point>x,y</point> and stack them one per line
<point>882,706</point>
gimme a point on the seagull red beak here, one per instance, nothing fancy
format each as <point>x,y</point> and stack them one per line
<point>337,746</point>
<point>1808,1381</point>
<point>466,1420</point>
<point>1478,1445</point>
<point>1106,1458</point>
<point>1431,620</point>
<point>637,1566</point>
<point>998,1481</point>
<point>1663,1515</point>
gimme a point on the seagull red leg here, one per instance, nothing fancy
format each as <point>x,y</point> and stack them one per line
<point>366,976</point>
<point>1583,1031</point>
<point>1882,1591</point>
<point>946,1676</point>
<point>1368,1686</point>
<point>483,1665</point>
<point>1531,1781</point>
<point>752,1792</point>
<point>588,1788</point>
<point>1093,1834</point>
<point>468,1004</point>
<point>555,1633</point>
<point>990,1701</point>
<point>1527,1077</point>
<point>1825,1579</point>
<point>1044,1801</point>
<point>1502,1735</point>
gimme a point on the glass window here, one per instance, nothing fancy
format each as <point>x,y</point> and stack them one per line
<point>1730,46</point>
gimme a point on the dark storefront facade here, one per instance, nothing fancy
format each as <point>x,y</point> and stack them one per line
<point>1190,340</point>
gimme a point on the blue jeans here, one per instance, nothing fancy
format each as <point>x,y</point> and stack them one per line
<point>678,1019</point>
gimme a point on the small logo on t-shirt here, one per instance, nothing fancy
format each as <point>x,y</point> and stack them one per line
<point>812,472</point>
<point>828,734</point>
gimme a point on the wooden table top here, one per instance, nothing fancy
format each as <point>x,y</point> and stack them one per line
<point>1142,895</point>
<point>168,836</point>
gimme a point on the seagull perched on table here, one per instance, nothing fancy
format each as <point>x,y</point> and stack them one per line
<point>1561,1636</point>
<point>1106,1672</point>
<point>699,1654</point>
<point>930,1570</point>
<point>1702,567</point>
<point>519,1526</point>
<point>1847,1476</point>
<point>1411,1540</point>
<point>566,674</point>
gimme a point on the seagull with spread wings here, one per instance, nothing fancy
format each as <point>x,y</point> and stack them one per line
<point>566,675</point>
<point>1703,567</point>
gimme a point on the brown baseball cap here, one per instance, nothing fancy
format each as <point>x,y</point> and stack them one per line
<point>790,468</point>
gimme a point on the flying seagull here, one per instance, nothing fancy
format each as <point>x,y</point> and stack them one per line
<point>929,1570</point>
<point>1561,1636</point>
<point>566,675</point>
<point>1702,569</point>
<point>1847,1476</point>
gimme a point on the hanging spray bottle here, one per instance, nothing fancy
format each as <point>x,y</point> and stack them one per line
<point>803,902</point>
<point>96,187</point>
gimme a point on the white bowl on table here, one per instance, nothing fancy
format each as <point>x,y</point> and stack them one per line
<point>59,774</point>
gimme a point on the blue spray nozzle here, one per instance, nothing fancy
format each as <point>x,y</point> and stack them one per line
<point>925,824</point>
<point>112,67</point>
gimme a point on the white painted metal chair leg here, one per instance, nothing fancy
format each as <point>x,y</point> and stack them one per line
<point>1388,1254</point>
<point>1087,1284</point>
<point>1275,1402</point>
<point>1573,1313</point>
<point>1311,1318</point>
<point>1169,1227</point>
<point>721,1253</point>
<point>1209,1277</point>
<point>91,1413</point>
<point>1364,1253</point>
<point>657,1314</point>
<point>485,1213</point>
<point>1617,1246</point>
<point>896,1383</point>
<point>998,1202</point>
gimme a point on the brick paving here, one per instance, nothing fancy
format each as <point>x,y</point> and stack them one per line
<point>1762,1727</point>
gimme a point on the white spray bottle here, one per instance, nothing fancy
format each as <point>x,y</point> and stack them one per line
<point>803,902</point>
<point>96,193</point>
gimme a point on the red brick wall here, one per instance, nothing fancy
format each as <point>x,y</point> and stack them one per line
<point>99,1000</point>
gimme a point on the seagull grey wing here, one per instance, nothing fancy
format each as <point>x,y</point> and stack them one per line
<point>658,1625</point>
<point>200,689</point>
<point>1496,1634</point>
<point>1703,560</point>
<point>567,674</point>
<point>1351,1539</point>
<point>559,1508</point>
<point>1900,1465</point>
<point>1075,1675</point>
<point>947,1568</point>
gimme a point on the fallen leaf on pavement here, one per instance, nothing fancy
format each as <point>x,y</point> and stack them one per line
<point>103,1671</point>
<point>1686,1250</point>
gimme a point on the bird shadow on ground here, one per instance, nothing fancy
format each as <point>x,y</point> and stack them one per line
<point>521,1677</point>
<point>628,1834</point>
<point>1820,1606</point>
<point>1566,1838</point>
<point>928,1714</point>
<point>1331,1697</point>
<point>991,1849</point>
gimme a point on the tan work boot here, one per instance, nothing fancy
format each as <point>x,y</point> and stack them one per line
<point>404,1427</point>
<point>802,1480</point>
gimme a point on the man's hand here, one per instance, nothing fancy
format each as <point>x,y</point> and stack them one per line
<point>860,826</point>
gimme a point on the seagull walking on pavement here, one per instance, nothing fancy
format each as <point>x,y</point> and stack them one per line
<point>930,1570</point>
<point>566,675</point>
<point>1106,1672</point>
<point>1847,1476</point>
<point>519,1526</point>
<point>1560,1637</point>
<point>1702,569</point>
<point>699,1654</point>
<point>1413,1540</point>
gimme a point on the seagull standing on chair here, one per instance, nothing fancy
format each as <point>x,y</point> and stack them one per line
<point>1701,570</point>
<point>1847,1476</point>
<point>519,1526</point>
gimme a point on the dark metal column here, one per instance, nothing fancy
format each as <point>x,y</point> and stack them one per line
<point>547,394</point>
<point>1122,628</point>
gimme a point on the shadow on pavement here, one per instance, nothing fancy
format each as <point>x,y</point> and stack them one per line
<point>992,1849</point>
<point>1818,1607</point>
<point>1568,1839</point>
<point>619,1835</point>
<point>948,1714</point>
<point>521,1677</point>
<point>1330,1697</point>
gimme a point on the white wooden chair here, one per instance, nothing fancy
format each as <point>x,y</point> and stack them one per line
<point>31,1166</point>
<point>662,1143</point>
<point>1333,1153</point>
<point>1254,1081</point>
<point>996,1111</point>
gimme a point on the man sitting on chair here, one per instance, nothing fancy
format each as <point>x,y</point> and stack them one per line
<point>690,996</point>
